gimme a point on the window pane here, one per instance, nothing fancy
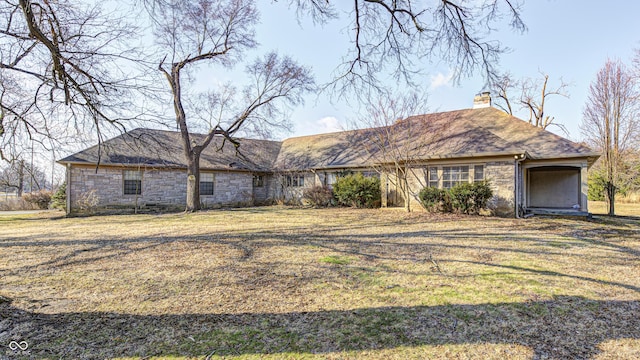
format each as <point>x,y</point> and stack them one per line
<point>132,175</point>
<point>433,177</point>
<point>464,174</point>
<point>132,184</point>
<point>446,173</point>
<point>301,180</point>
<point>206,177</point>
<point>433,174</point>
<point>455,174</point>
<point>452,175</point>
<point>206,183</point>
<point>478,173</point>
<point>331,178</point>
<point>258,181</point>
<point>206,188</point>
<point>132,187</point>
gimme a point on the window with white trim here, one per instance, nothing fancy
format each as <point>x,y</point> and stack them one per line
<point>433,177</point>
<point>447,177</point>
<point>454,175</point>
<point>295,180</point>
<point>132,184</point>
<point>258,181</point>
<point>206,183</point>
<point>330,178</point>
<point>478,173</point>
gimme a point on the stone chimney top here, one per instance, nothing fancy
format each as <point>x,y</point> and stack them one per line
<point>482,100</point>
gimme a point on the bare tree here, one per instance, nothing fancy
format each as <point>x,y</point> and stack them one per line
<point>502,89</point>
<point>219,32</point>
<point>396,35</point>
<point>65,67</point>
<point>533,97</point>
<point>610,121</point>
<point>23,177</point>
<point>395,141</point>
<point>535,93</point>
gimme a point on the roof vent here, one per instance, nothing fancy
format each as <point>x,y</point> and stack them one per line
<point>482,100</point>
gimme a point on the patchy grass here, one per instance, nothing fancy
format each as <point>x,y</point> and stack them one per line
<point>274,283</point>
<point>337,260</point>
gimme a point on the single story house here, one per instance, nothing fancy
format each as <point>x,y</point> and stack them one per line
<point>530,170</point>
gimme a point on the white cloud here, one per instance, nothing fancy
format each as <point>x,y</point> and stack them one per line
<point>329,124</point>
<point>440,79</point>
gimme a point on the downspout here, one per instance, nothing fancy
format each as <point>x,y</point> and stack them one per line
<point>68,190</point>
<point>518,160</point>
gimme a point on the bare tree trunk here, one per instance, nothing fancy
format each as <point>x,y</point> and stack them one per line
<point>20,178</point>
<point>407,200</point>
<point>193,181</point>
<point>611,198</point>
<point>191,151</point>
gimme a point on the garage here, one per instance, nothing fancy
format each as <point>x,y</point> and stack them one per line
<point>554,187</point>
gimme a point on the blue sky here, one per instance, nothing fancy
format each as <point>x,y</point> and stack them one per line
<point>568,39</point>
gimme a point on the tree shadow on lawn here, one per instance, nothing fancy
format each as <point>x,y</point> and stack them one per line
<point>565,327</point>
<point>379,246</point>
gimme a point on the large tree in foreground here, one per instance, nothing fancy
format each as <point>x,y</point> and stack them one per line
<point>396,37</point>
<point>610,122</point>
<point>62,72</point>
<point>61,61</point>
<point>218,32</point>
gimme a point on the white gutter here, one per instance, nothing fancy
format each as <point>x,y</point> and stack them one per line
<point>68,190</point>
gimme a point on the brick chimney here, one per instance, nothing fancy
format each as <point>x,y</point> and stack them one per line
<point>482,100</point>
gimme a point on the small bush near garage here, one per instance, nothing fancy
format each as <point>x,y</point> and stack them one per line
<point>88,201</point>
<point>463,198</point>
<point>41,198</point>
<point>318,196</point>
<point>59,199</point>
<point>358,191</point>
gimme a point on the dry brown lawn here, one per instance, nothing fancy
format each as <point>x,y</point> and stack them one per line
<point>274,283</point>
<point>623,209</point>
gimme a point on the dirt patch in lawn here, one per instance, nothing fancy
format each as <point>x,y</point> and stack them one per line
<point>330,283</point>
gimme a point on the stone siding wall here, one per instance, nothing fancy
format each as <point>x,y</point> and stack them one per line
<point>168,188</point>
<point>417,180</point>
<point>159,188</point>
<point>230,189</point>
<point>501,178</point>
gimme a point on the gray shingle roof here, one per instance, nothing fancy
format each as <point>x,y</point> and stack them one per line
<point>461,133</point>
<point>158,148</point>
<point>453,134</point>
